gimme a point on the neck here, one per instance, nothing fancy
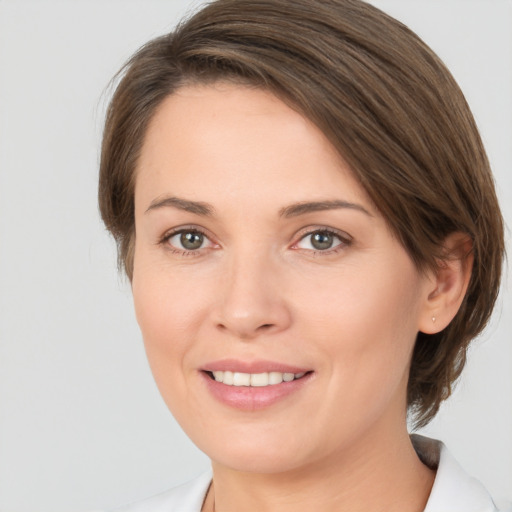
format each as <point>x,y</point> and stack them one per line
<point>381,474</point>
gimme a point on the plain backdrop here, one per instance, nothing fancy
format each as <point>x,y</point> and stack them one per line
<point>82,425</point>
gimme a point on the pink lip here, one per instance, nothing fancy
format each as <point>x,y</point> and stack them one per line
<point>253,398</point>
<point>259,366</point>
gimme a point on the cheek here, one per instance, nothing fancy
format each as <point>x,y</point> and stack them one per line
<point>169,316</point>
<point>367,323</point>
<point>168,300</point>
<point>357,303</point>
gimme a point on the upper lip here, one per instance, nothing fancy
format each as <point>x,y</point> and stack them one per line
<point>257,366</point>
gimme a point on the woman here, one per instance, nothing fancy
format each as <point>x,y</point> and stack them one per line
<point>304,208</point>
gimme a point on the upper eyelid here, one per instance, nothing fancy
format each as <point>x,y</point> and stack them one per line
<point>164,241</point>
<point>343,235</point>
<point>299,235</point>
<point>181,229</point>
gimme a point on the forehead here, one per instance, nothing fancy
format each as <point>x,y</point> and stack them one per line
<point>237,141</point>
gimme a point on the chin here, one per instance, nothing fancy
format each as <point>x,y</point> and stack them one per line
<point>257,450</point>
<point>258,462</point>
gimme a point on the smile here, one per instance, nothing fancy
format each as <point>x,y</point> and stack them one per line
<point>254,379</point>
<point>256,385</point>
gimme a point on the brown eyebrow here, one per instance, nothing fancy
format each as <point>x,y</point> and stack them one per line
<point>307,207</point>
<point>293,210</point>
<point>197,207</point>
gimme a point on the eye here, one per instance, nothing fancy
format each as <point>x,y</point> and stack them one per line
<point>187,240</point>
<point>322,240</point>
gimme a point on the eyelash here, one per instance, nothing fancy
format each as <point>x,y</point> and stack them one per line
<point>344,239</point>
<point>182,252</point>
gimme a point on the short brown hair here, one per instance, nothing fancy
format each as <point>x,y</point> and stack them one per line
<point>385,101</point>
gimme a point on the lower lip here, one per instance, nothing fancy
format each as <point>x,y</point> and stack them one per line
<point>247,398</point>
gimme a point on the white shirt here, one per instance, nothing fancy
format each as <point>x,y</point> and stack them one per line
<point>453,491</point>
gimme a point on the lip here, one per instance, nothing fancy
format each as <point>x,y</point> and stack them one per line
<point>258,366</point>
<point>253,398</point>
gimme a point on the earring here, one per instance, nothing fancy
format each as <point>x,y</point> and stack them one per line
<point>433,319</point>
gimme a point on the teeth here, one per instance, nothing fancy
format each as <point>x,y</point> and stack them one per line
<point>220,377</point>
<point>259,379</point>
<point>275,378</point>
<point>227,378</point>
<point>241,379</point>
<point>255,379</point>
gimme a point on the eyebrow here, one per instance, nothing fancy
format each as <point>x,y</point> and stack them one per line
<point>197,207</point>
<point>293,210</point>
<point>297,209</point>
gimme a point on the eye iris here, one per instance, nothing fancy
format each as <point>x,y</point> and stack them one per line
<point>191,240</point>
<point>322,240</point>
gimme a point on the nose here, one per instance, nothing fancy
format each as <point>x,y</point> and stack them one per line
<point>252,301</point>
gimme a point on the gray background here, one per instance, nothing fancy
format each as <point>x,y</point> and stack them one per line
<point>82,426</point>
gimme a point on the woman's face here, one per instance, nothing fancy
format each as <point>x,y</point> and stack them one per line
<point>258,258</point>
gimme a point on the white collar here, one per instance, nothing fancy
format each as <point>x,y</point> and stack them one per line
<point>454,490</point>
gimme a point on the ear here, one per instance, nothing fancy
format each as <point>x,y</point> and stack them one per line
<point>448,284</point>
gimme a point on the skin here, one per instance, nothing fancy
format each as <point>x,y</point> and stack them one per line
<point>258,289</point>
